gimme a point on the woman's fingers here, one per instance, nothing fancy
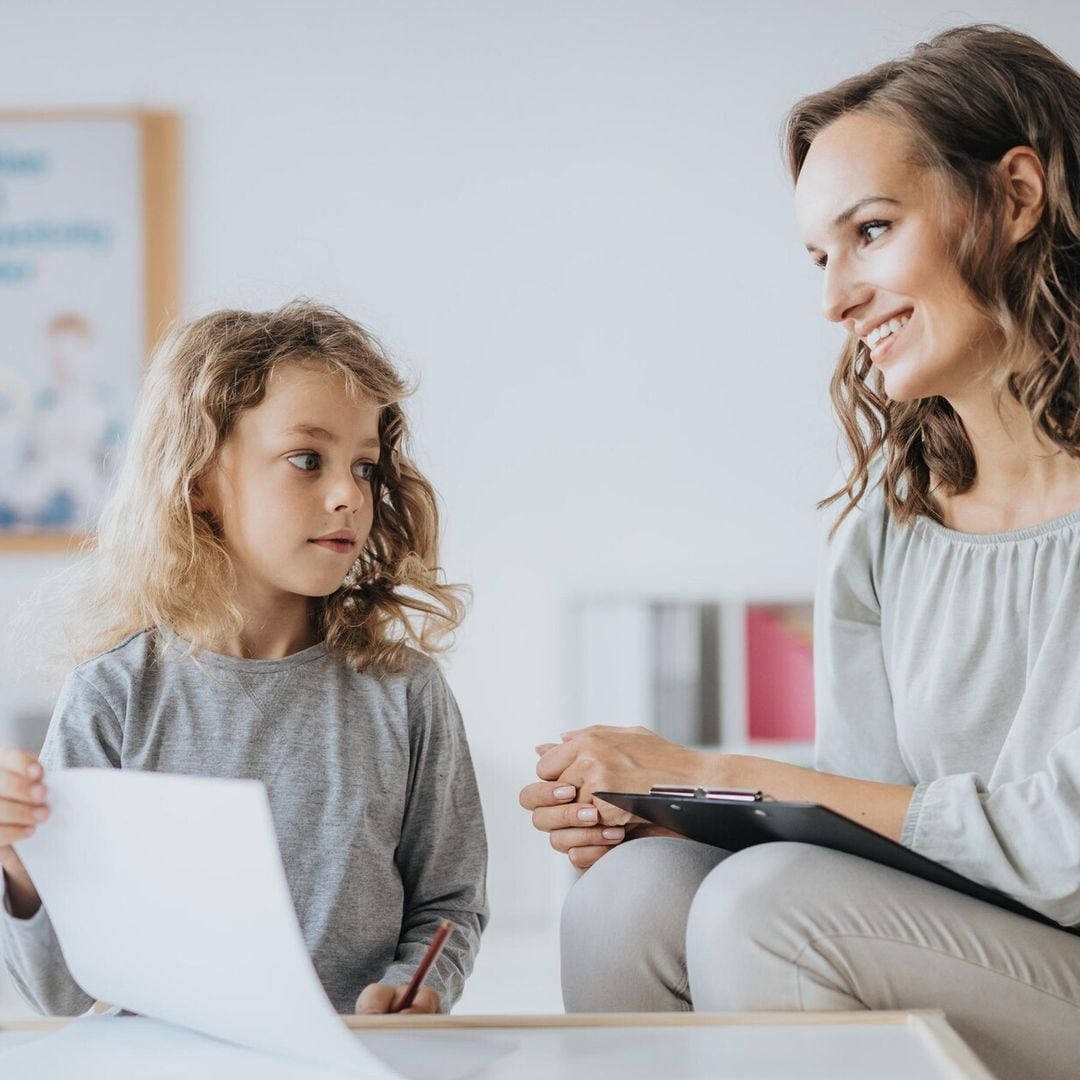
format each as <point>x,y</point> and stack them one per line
<point>565,840</point>
<point>555,760</point>
<point>546,793</point>
<point>576,815</point>
<point>584,857</point>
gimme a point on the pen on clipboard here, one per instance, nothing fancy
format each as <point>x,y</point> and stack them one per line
<point>446,927</point>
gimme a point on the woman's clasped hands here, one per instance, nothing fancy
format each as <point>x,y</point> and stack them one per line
<point>603,758</point>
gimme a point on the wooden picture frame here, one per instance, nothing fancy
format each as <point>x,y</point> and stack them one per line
<point>91,192</point>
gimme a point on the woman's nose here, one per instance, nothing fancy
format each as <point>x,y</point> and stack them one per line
<point>842,295</point>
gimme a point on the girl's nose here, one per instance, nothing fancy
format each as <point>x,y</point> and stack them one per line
<point>346,494</point>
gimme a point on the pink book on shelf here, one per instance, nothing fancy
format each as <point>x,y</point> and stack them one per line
<point>780,672</point>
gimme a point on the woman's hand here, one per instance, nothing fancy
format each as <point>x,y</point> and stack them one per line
<point>574,828</point>
<point>601,758</point>
<point>22,809</point>
<point>567,823</point>
<point>378,998</point>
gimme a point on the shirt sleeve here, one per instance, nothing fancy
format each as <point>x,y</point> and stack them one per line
<point>84,731</point>
<point>442,856</point>
<point>1022,838</point>
<point>855,727</point>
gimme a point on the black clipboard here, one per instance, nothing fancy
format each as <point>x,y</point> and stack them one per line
<point>746,819</point>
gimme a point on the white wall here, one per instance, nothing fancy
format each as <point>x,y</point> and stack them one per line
<point>571,219</point>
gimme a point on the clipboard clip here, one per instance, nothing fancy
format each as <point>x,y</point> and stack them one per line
<point>703,793</point>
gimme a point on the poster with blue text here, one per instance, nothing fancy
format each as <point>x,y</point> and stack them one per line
<point>72,311</point>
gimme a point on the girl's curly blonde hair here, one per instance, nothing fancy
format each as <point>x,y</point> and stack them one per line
<point>966,98</point>
<point>156,562</point>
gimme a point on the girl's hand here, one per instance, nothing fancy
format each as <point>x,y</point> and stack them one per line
<point>379,998</point>
<point>22,809</point>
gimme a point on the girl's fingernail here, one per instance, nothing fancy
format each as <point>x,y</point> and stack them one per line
<point>587,813</point>
<point>613,834</point>
<point>564,792</point>
<point>37,791</point>
<point>41,814</point>
<point>33,770</point>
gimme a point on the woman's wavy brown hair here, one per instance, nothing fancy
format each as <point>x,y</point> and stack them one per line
<point>966,98</point>
<point>156,561</point>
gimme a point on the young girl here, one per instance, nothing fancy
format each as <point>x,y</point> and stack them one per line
<point>246,613</point>
<point>940,196</point>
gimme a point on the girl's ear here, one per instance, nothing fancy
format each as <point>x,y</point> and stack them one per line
<point>1025,191</point>
<point>198,499</point>
<point>203,497</point>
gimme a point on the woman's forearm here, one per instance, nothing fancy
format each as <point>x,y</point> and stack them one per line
<point>881,807</point>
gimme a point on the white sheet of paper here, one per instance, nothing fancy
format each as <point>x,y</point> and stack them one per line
<point>169,898</point>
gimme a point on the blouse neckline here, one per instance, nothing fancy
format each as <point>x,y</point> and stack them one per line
<point>1030,532</point>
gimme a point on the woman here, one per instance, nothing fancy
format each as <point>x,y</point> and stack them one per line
<point>940,195</point>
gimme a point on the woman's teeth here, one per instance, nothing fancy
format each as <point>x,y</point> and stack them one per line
<point>879,333</point>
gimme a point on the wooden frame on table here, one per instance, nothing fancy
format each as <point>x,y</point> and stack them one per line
<point>146,230</point>
<point>929,1024</point>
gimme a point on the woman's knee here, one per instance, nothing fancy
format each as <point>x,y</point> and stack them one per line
<point>636,884</point>
<point>624,922</point>
<point>749,921</point>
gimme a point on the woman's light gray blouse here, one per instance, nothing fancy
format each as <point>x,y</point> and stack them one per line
<point>951,661</point>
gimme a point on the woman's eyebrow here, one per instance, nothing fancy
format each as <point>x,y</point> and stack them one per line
<point>845,216</point>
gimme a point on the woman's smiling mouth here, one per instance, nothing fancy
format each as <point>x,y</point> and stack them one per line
<point>881,339</point>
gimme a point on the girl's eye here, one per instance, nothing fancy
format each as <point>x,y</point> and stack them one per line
<point>364,470</point>
<point>307,462</point>
<point>865,230</point>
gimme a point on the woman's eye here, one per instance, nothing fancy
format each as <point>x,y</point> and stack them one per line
<point>364,470</point>
<point>868,231</point>
<point>304,462</point>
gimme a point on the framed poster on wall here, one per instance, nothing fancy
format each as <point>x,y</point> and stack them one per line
<point>89,279</point>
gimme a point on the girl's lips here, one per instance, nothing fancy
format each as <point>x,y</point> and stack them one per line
<point>343,547</point>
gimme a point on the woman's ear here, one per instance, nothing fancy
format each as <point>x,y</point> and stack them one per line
<point>1024,178</point>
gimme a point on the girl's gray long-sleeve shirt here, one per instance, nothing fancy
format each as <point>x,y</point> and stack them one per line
<point>951,661</point>
<point>371,790</point>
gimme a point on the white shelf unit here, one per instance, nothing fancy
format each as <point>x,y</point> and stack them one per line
<point>619,664</point>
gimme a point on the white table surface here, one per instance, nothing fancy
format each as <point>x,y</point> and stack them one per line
<point>826,1046</point>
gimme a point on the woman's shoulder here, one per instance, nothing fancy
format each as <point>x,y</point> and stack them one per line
<point>861,519</point>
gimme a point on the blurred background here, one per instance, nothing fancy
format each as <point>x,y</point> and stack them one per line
<point>570,221</point>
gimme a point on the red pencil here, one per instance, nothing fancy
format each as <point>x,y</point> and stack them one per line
<point>432,954</point>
